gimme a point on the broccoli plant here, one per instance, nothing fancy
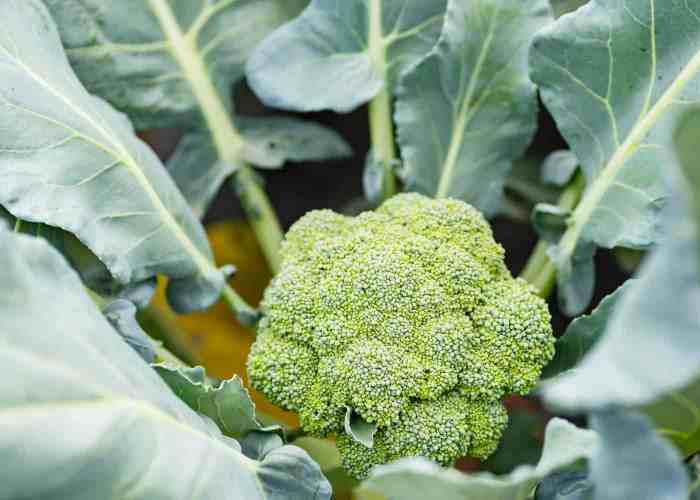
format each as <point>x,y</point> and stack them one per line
<point>405,318</point>
<point>481,280</point>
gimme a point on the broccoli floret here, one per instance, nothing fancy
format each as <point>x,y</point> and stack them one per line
<point>409,316</point>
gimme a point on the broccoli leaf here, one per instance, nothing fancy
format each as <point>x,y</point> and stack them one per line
<point>359,429</point>
<point>69,160</point>
<point>121,314</point>
<point>559,167</point>
<point>417,478</point>
<point>665,298</point>
<point>632,461</point>
<point>228,404</point>
<point>688,151</point>
<point>616,76</point>
<point>120,52</point>
<point>93,419</point>
<point>567,485</point>
<point>473,96</point>
<point>582,334</point>
<point>173,63</point>
<point>339,54</point>
<point>269,142</point>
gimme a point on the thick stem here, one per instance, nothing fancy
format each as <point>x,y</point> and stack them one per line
<point>540,270</point>
<point>228,141</point>
<point>381,128</point>
<point>261,215</point>
<point>246,315</point>
<point>381,123</point>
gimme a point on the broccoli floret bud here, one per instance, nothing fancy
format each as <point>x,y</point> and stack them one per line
<point>409,316</point>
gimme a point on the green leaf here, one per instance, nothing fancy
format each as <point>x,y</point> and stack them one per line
<point>467,110</point>
<point>339,54</point>
<point>269,142</point>
<point>616,76</point>
<point>582,334</point>
<point>655,324</point>
<point>632,461</point>
<point>84,417</point>
<point>568,485</point>
<point>359,429</point>
<point>576,277</point>
<point>525,181</point>
<point>677,417</point>
<point>562,7</point>
<point>228,404</point>
<point>417,478</point>
<point>121,314</point>
<point>520,444</point>
<point>120,51</point>
<point>559,167</point>
<point>687,142</point>
<point>69,160</point>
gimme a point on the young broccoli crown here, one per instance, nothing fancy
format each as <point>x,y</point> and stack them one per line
<point>409,316</point>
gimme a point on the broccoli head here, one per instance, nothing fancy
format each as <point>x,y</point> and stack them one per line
<point>408,316</point>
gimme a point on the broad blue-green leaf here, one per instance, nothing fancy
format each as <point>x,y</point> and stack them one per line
<point>228,404</point>
<point>120,51</point>
<point>616,76</point>
<point>651,344</point>
<point>121,314</point>
<point>687,142</point>
<point>469,109</point>
<point>270,142</point>
<point>559,167</point>
<point>582,334</point>
<point>339,54</point>
<point>576,276</point>
<point>562,7</point>
<point>676,416</point>
<point>568,485</point>
<point>520,444</point>
<point>417,478</point>
<point>69,160</point>
<point>632,461</point>
<point>359,429</point>
<point>525,181</point>
<point>84,417</point>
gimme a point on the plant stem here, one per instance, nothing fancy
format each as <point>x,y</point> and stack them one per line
<point>18,225</point>
<point>539,270</point>
<point>246,315</point>
<point>164,330</point>
<point>227,139</point>
<point>381,123</point>
<point>261,215</point>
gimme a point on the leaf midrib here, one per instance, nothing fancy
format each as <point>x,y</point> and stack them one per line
<point>464,115</point>
<point>123,156</point>
<point>599,187</point>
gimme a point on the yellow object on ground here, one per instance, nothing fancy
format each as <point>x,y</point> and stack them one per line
<point>215,337</point>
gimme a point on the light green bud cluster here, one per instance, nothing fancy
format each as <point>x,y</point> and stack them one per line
<point>408,316</point>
